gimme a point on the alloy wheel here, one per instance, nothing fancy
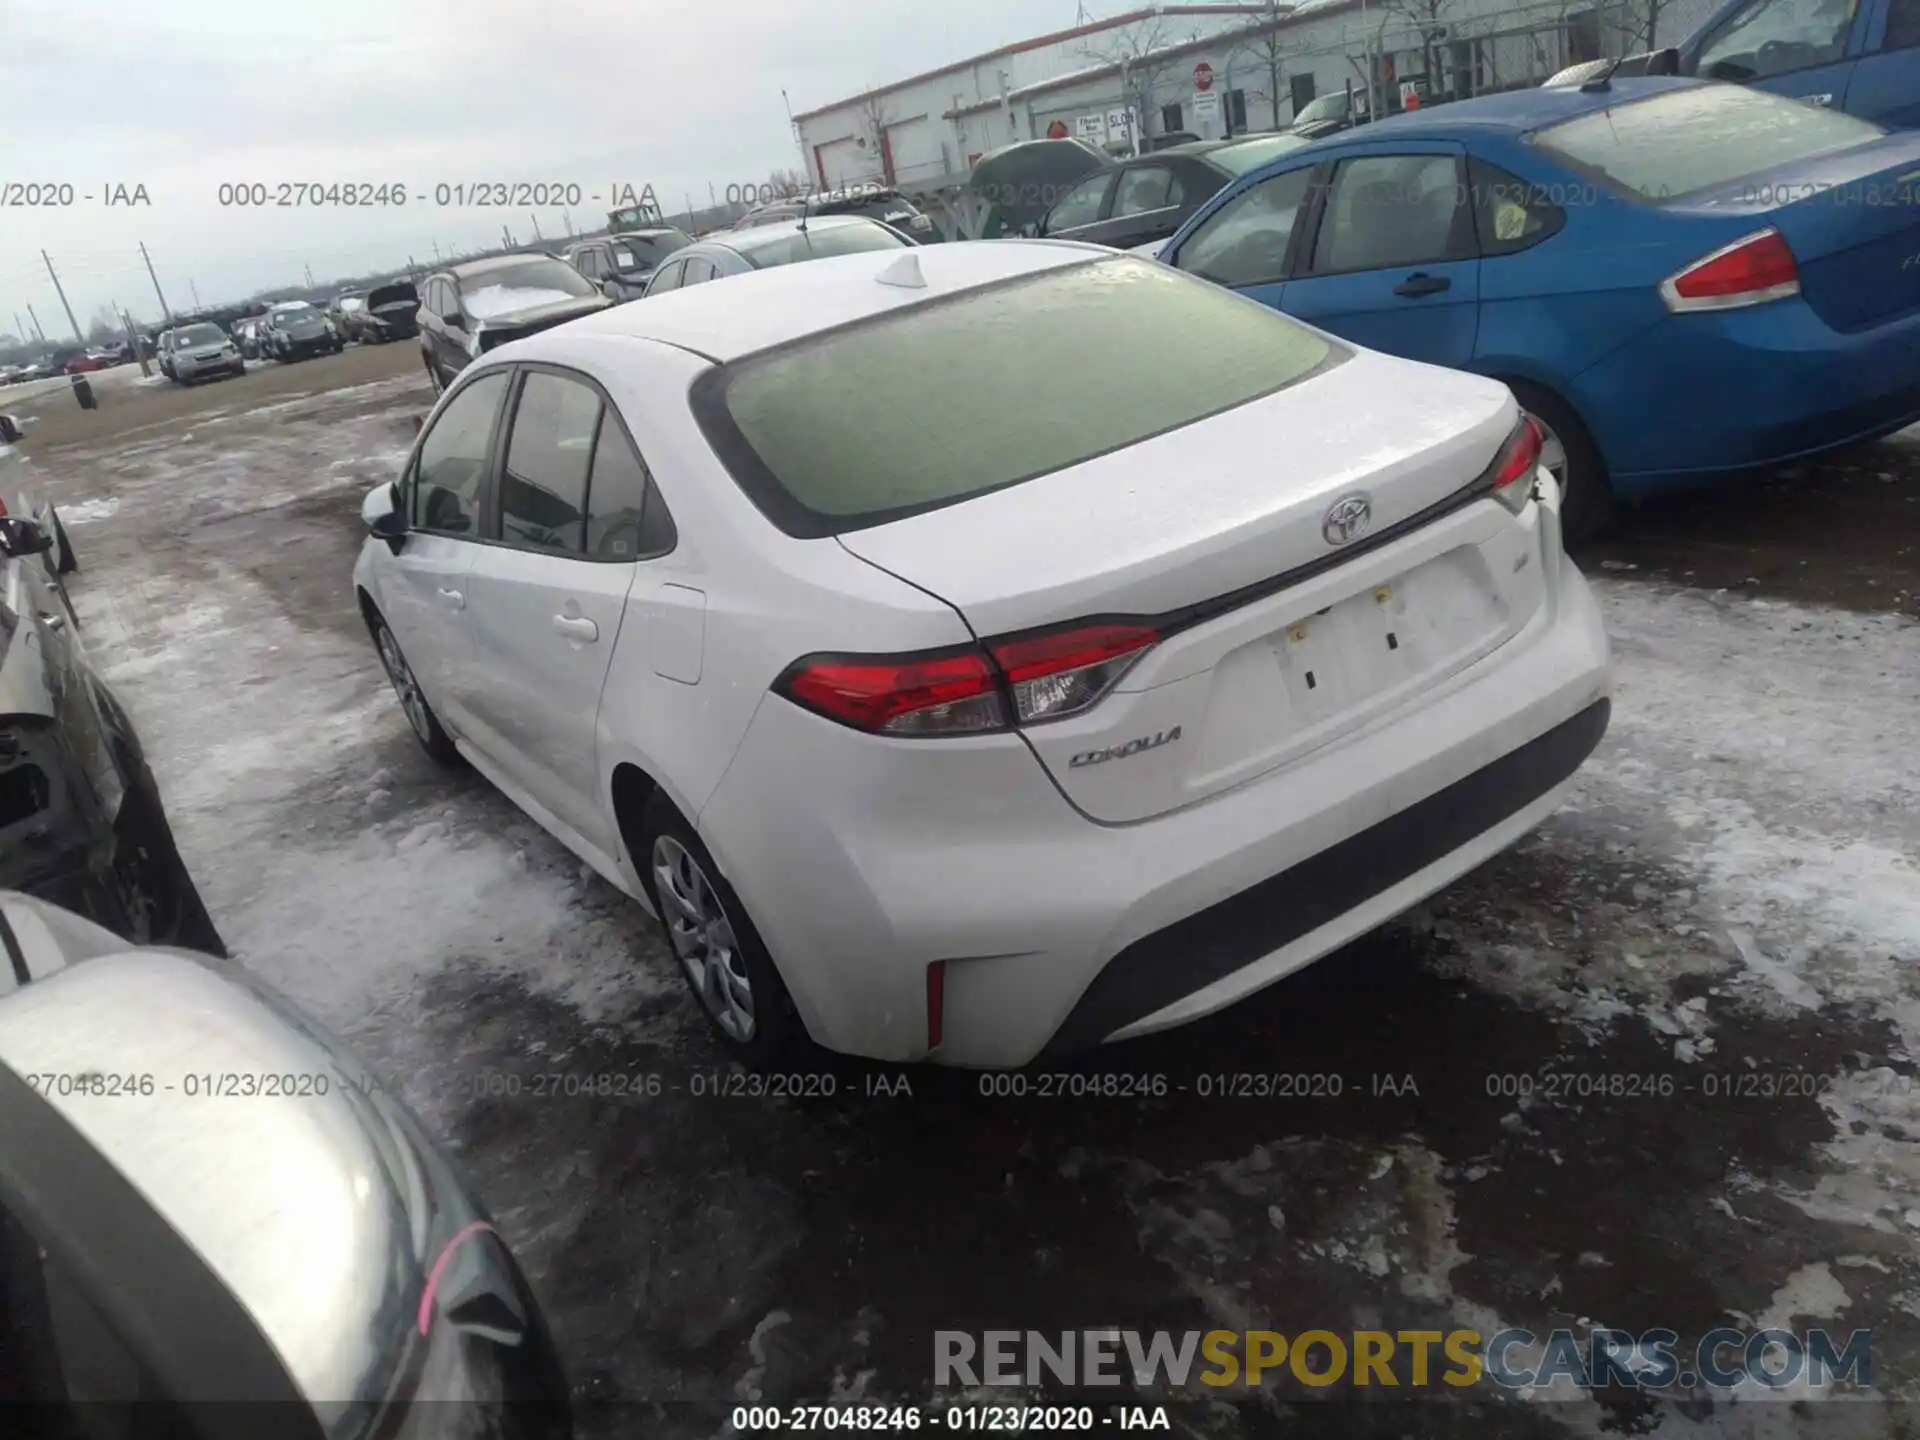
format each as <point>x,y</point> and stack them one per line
<point>703,938</point>
<point>405,686</point>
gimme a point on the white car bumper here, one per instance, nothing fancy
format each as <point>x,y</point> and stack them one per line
<point>863,860</point>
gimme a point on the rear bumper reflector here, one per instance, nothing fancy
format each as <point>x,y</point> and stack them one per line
<point>1154,972</point>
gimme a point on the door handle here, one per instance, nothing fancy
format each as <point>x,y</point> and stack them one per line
<point>1418,285</point>
<point>576,627</point>
<point>455,600</point>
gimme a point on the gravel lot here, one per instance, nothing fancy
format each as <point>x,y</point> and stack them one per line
<point>1734,890</point>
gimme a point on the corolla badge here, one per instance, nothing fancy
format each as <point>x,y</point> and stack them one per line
<point>1348,520</point>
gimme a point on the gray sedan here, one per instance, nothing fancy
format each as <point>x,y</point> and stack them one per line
<point>735,252</point>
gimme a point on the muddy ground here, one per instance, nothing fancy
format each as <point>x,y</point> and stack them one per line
<point>1727,915</point>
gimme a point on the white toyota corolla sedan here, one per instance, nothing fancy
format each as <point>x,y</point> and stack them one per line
<point>980,652</point>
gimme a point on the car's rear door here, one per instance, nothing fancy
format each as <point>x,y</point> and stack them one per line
<point>1146,205</point>
<point>1886,83</point>
<point>1391,261</point>
<point>423,593</point>
<point>1081,208</point>
<point>1805,49</point>
<point>548,594</point>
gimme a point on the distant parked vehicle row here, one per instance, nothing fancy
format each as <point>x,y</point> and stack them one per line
<point>874,202</point>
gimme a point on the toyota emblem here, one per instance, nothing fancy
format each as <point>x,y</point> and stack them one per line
<point>1348,520</point>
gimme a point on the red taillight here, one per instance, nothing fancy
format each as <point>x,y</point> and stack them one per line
<point>1751,271</point>
<point>1062,672</point>
<point>1051,675</point>
<point>936,1002</point>
<point>1516,462</point>
<point>944,693</point>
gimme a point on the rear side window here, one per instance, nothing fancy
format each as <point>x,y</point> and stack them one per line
<point>1695,139</point>
<point>543,493</point>
<point>1245,241</point>
<point>626,519</point>
<point>875,422</point>
<point>1509,214</point>
<point>667,277</point>
<point>1390,210</point>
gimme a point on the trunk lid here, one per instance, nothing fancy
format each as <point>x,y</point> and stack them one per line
<point>1190,518</point>
<point>1852,220</point>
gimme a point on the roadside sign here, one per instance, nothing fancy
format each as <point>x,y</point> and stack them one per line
<point>1120,124</point>
<point>1203,76</point>
<point>1090,127</point>
<point>1409,94</point>
<point>1206,105</point>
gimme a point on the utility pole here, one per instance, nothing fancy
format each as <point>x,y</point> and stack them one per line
<point>63,299</point>
<point>309,269</point>
<point>19,330</point>
<point>506,237</point>
<point>567,215</point>
<point>436,252</point>
<point>133,341</point>
<point>536,226</point>
<point>196,293</point>
<point>165,310</point>
<point>31,315</point>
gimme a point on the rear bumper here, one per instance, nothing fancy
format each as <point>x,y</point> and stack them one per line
<point>1701,396</point>
<point>861,861</point>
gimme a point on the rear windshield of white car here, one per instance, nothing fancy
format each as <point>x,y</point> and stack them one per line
<point>937,403</point>
<point>817,242</point>
<point>1683,141</point>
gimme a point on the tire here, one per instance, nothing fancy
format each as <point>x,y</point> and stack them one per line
<point>1586,497</point>
<point>413,700</point>
<point>738,988</point>
<point>67,562</point>
<point>153,899</point>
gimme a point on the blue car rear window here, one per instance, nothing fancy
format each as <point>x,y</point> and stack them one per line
<point>1682,141</point>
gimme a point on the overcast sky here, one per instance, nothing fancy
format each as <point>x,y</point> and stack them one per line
<point>181,96</point>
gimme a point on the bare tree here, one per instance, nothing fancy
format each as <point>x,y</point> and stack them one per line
<point>787,183</point>
<point>104,325</point>
<point>874,120</point>
<point>1140,53</point>
<point>1427,20</point>
<point>1271,47</point>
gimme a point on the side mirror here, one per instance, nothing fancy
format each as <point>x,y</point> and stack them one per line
<point>381,514</point>
<point>1664,62</point>
<point>20,537</point>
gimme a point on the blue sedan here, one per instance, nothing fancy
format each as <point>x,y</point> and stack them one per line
<point>1680,280</point>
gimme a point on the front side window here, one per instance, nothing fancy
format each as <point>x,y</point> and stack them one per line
<point>1080,205</point>
<point>1681,141</point>
<point>871,422</point>
<point>1391,210</point>
<point>1245,241</point>
<point>1144,188</point>
<point>697,269</point>
<point>452,469</point>
<point>587,262</point>
<point>1771,37</point>
<point>543,490</point>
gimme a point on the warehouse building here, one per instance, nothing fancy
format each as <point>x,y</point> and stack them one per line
<point>1208,71</point>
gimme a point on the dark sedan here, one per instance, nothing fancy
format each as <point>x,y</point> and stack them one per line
<point>297,330</point>
<point>468,309</point>
<point>1144,200</point>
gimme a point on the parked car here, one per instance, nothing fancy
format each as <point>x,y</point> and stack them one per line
<point>296,330</point>
<point>622,264</point>
<point>1148,198</point>
<point>1019,182</point>
<point>19,495</point>
<point>210,1210</point>
<point>1168,139</point>
<point>391,313</point>
<point>201,352</point>
<point>875,202</point>
<point>81,819</point>
<point>468,309</point>
<point>1681,281</point>
<point>739,252</point>
<point>1186,718</point>
<point>246,335</point>
<point>346,313</point>
<point>1861,58</point>
<point>84,364</point>
<point>1330,114</point>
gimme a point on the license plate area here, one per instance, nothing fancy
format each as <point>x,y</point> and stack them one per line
<point>1370,649</point>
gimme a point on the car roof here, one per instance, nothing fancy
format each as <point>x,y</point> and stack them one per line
<point>764,308</point>
<point>1518,111</point>
<point>754,237</point>
<point>494,262</point>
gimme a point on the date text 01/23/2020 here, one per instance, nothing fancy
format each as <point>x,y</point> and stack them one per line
<point>992,1419</point>
<point>444,195</point>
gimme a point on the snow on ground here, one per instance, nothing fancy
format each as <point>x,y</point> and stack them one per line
<point>1741,857</point>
